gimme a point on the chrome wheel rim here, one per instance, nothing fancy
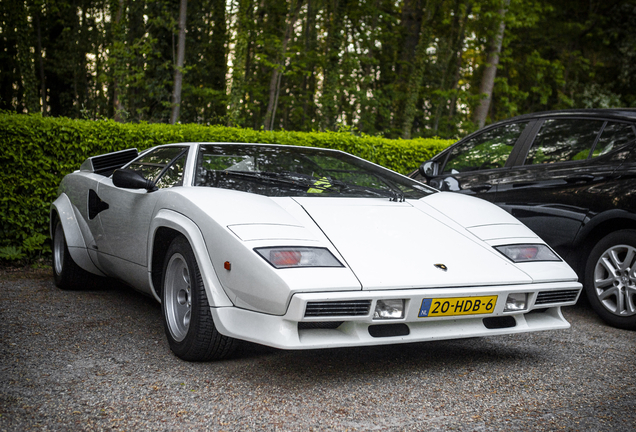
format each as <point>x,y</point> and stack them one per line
<point>178,298</point>
<point>58,249</point>
<point>615,280</point>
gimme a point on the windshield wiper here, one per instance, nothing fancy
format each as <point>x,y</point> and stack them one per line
<point>269,177</point>
<point>387,193</point>
<point>302,182</point>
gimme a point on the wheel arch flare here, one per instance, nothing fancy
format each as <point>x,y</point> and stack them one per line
<point>167,225</point>
<point>62,209</point>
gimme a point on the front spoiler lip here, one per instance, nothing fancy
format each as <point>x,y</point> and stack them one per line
<point>282,331</point>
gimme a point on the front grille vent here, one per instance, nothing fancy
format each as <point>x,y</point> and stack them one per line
<point>338,308</point>
<point>547,297</point>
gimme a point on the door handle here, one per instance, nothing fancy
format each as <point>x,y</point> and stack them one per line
<point>484,187</point>
<point>576,178</point>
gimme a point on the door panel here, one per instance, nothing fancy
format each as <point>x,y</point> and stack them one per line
<point>125,214</point>
<point>553,192</point>
<point>125,224</point>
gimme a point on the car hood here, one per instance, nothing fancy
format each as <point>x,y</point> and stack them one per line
<point>393,245</point>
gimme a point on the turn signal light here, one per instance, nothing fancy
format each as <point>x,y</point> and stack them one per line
<point>284,258</point>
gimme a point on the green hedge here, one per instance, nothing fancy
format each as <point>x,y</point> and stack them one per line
<point>38,151</point>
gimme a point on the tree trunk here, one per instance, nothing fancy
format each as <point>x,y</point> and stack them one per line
<point>274,83</point>
<point>25,60</point>
<point>218,68</point>
<point>415,77</point>
<point>331,65</point>
<point>178,71</point>
<point>240,61</point>
<point>308,85</point>
<point>458,66</point>
<point>117,105</point>
<point>38,55</point>
<point>490,71</point>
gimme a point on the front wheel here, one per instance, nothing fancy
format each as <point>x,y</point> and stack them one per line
<point>610,279</point>
<point>187,319</point>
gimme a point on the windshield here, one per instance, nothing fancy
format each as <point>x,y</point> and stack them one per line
<point>299,171</point>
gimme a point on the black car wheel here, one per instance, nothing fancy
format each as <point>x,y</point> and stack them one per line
<point>187,318</point>
<point>66,273</point>
<point>610,279</point>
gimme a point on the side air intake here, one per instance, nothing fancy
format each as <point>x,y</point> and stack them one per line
<point>107,163</point>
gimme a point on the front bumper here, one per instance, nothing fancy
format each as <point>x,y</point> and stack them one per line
<point>295,330</point>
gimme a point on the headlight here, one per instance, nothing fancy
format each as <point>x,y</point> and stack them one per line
<point>516,302</point>
<point>294,257</point>
<point>528,252</point>
<point>389,309</point>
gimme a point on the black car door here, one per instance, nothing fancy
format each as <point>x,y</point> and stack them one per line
<point>560,178</point>
<point>474,165</point>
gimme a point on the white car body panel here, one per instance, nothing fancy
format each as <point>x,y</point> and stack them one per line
<point>283,332</point>
<point>385,252</point>
<point>178,222</point>
<point>74,234</point>
<point>389,249</point>
<point>128,221</point>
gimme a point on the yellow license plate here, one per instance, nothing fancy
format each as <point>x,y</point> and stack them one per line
<point>436,307</point>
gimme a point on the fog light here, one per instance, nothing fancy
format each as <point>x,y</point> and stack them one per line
<point>389,309</point>
<point>516,302</point>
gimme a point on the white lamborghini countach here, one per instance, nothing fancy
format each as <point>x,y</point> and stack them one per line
<point>300,248</point>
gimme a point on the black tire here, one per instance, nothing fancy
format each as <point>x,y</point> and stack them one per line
<point>66,273</point>
<point>187,319</point>
<point>610,279</point>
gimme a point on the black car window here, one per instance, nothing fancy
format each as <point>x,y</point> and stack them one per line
<point>562,140</point>
<point>614,135</point>
<point>151,165</point>
<point>487,150</point>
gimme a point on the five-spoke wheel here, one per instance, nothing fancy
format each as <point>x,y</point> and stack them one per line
<point>186,312</point>
<point>610,279</point>
<point>178,296</point>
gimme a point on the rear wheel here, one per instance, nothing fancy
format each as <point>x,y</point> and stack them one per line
<point>66,273</point>
<point>187,317</point>
<point>610,279</point>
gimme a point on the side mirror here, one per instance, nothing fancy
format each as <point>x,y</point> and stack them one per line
<point>429,169</point>
<point>129,179</point>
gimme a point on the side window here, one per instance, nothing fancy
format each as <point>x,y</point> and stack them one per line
<point>614,136</point>
<point>562,140</point>
<point>485,151</point>
<point>152,164</point>
<point>173,176</point>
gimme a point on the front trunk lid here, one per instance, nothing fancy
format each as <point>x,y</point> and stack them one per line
<point>393,245</point>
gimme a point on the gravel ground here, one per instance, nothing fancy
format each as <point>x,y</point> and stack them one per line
<point>98,360</point>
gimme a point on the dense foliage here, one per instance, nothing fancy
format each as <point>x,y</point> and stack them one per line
<point>37,152</point>
<point>392,68</point>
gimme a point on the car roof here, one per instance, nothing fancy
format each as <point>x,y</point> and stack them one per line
<point>614,113</point>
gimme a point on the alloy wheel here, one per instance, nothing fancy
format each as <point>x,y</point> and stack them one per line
<point>615,280</point>
<point>178,297</point>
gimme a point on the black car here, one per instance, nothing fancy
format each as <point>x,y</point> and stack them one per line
<point>571,177</point>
